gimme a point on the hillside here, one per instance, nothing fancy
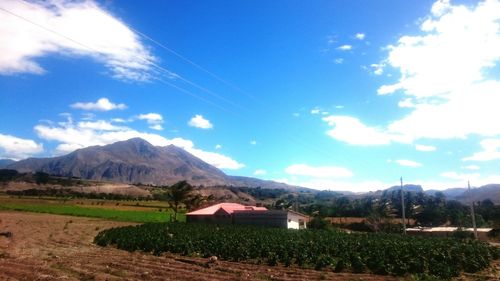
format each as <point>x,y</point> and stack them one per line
<point>137,161</point>
<point>6,162</point>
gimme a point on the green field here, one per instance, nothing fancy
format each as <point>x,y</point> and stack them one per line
<point>383,254</point>
<point>93,212</point>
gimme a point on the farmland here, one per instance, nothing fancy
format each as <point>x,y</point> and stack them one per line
<point>334,251</point>
<point>54,247</point>
<point>105,209</point>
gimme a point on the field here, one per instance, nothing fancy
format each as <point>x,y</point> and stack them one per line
<point>110,210</point>
<point>384,254</point>
<point>53,247</point>
<point>46,246</point>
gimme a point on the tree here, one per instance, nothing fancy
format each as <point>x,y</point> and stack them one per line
<point>42,178</point>
<point>178,194</point>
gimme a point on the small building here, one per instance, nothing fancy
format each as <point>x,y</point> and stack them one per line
<point>482,233</point>
<point>233,213</point>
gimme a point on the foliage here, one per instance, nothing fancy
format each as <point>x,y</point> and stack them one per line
<point>176,195</point>
<point>318,223</point>
<point>7,175</point>
<point>42,178</point>
<point>68,193</point>
<point>260,193</point>
<point>462,234</point>
<point>376,253</point>
<point>71,210</point>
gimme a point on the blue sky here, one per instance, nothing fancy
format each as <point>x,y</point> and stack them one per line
<point>342,95</point>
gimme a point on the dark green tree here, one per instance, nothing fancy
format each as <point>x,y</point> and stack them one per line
<point>42,178</point>
<point>178,194</point>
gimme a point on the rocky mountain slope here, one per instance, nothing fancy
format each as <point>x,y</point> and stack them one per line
<point>137,161</point>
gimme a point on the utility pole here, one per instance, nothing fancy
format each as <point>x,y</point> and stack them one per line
<point>403,206</point>
<point>472,212</point>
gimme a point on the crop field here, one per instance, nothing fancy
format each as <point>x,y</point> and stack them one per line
<point>83,208</point>
<point>54,247</point>
<point>339,252</point>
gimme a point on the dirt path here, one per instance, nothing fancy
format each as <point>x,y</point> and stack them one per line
<point>52,247</point>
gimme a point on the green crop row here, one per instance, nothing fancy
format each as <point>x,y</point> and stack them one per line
<point>93,212</point>
<point>375,253</point>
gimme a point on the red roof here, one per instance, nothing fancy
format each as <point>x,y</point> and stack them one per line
<point>228,207</point>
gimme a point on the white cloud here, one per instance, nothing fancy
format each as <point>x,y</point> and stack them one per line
<point>460,177</point>
<point>406,103</point>
<point>360,36</point>
<point>153,119</point>
<point>218,146</point>
<point>315,110</point>
<point>260,172</point>
<point>253,142</point>
<point>199,122</point>
<point>18,148</point>
<point>339,185</point>
<point>99,125</point>
<point>491,151</point>
<point>339,106</point>
<point>425,148</point>
<point>445,76</point>
<point>408,163</point>
<point>157,127</point>
<point>102,104</point>
<point>352,131</point>
<point>71,136</point>
<point>119,120</point>
<point>93,32</point>
<point>338,60</point>
<point>345,47</point>
<point>318,171</point>
<point>377,68</point>
<point>472,167</point>
<point>445,69</point>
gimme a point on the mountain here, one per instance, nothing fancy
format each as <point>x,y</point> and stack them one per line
<point>490,191</point>
<point>137,161</point>
<point>407,188</point>
<point>450,193</point>
<point>6,162</point>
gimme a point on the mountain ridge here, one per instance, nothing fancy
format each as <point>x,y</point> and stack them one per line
<point>137,161</point>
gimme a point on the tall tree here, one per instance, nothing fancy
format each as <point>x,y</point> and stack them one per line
<point>177,195</point>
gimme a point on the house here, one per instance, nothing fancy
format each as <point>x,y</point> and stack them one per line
<point>233,213</point>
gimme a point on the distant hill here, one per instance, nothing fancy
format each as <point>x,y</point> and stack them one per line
<point>490,191</point>
<point>450,193</point>
<point>138,161</point>
<point>5,162</point>
<point>407,188</point>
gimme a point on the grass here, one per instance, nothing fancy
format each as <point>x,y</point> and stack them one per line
<point>93,212</point>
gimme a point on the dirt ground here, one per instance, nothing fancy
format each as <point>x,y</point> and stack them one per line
<point>52,247</point>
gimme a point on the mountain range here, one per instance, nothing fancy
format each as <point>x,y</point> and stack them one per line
<point>137,161</point>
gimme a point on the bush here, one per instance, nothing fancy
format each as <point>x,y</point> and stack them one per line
<point>318,223</point>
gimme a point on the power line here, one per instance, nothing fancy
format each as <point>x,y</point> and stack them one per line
<point>148,62</point>
<point>173,74</point>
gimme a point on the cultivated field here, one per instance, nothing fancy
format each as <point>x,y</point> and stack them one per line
<point>130,211</point>
<point>53,247</point>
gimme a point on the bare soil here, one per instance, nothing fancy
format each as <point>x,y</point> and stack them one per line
<point>52,247</point>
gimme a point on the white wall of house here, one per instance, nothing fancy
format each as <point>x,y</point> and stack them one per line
<point>294,221</point>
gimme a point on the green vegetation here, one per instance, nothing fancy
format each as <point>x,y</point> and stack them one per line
<point>341,252</point>
<point>65,193</point>
<point>40,178</point>
<point>93,212</point>
<point>426,210</point>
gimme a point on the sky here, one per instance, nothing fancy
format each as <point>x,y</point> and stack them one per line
<point>339,95</point>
